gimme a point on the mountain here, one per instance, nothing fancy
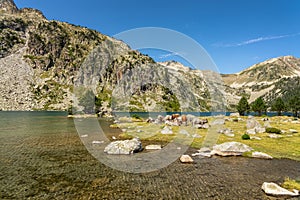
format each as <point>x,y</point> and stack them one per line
<point>44,63</point>
<point>270,79</point>
<point>52,65</point>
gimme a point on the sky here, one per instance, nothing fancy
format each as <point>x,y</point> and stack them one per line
<point>235,33</point>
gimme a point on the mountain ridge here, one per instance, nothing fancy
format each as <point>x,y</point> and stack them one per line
<point>40,60</point>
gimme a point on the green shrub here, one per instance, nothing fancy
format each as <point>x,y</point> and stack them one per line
<point>273,130</point>
<point>136,116</point>
<point>235,120</point>
<point>245,137</point>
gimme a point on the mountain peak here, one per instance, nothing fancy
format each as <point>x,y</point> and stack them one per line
<point>8,6</point>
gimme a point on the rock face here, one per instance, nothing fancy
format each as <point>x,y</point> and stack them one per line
<point>8,6</point>
<point>231,149</point>
<point>125,147</point>
<point>276,190</point>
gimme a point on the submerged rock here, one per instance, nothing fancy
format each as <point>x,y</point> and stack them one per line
<point>276,190</point>
<point>124,147</point>
<point>231,149</point>
<point>153,147</point>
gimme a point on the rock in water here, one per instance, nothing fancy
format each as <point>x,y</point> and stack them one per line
<point>124,147</point>
<point>186,159</point>
<point>153,147</point>
<point>276,190</point>
<point>231,149</point>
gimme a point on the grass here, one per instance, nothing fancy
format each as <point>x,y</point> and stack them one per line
<point>288,146</point>
<point>291,184</point>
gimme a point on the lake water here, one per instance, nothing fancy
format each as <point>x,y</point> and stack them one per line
<point>42,157</point>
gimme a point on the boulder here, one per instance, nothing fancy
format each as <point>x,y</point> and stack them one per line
<point>203,152</point>
<point>231,149</point>
<point>255,138</point>
<point>274,136</point>
<point>276,190</point>
<point>251,131</point>
<point>202,126</point>
<point>226,131</point>
<point>153,147</point>
<point>166,130</point>
<point>219,121</point>
<point>261,155</point>
<point>293,131</point>
<point>124,147</point>
<point>234,114</point>
<point>260,129</point>
<point>186,159</point>
<point>252,123</point>
<point>267,124</point>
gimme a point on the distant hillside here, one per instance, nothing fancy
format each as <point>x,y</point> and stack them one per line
<point>270,79</point>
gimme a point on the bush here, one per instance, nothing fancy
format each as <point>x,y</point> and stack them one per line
<point>235,120</point>
<point>245,137</point>
<point>136,116</point>
<point>273,130</point>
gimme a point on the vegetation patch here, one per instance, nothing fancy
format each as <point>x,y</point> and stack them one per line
<point>291,184</point>
<point>273,130</point>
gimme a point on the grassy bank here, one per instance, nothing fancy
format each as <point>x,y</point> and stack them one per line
<point>287,146</point>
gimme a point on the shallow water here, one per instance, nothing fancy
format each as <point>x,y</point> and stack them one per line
<point>42,157</point>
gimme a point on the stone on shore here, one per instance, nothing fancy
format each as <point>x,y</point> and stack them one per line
<point>261,155</point>
<point>276,190</point>
<point>293,131</point>
<point>230,149</point>
<point>166,130</point>
<point>125,147</point>
<point>203,152</point>
<point>186,159</point>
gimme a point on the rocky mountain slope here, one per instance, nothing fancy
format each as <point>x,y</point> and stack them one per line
<point>270,79</point>
<point>52,65</point>
<point>43,63</point>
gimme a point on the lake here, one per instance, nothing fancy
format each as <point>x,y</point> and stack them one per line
<point>42,157</point>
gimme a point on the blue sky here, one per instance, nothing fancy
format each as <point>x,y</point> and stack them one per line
<point>235,33</point>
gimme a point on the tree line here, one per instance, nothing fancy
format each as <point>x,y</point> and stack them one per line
<point>290,103</point>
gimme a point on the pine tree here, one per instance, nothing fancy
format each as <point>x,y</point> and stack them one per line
<point>243,106</point>
<point>278,106</point>
<point>259,106</point>
<point>294,104</point>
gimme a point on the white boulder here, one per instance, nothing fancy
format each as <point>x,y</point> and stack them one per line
<point>124,147</point>
<point>257,154</point>
<point>293,131</point>
<point>230,149</point>
<point>276,190</point>
<point>186,159</point>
